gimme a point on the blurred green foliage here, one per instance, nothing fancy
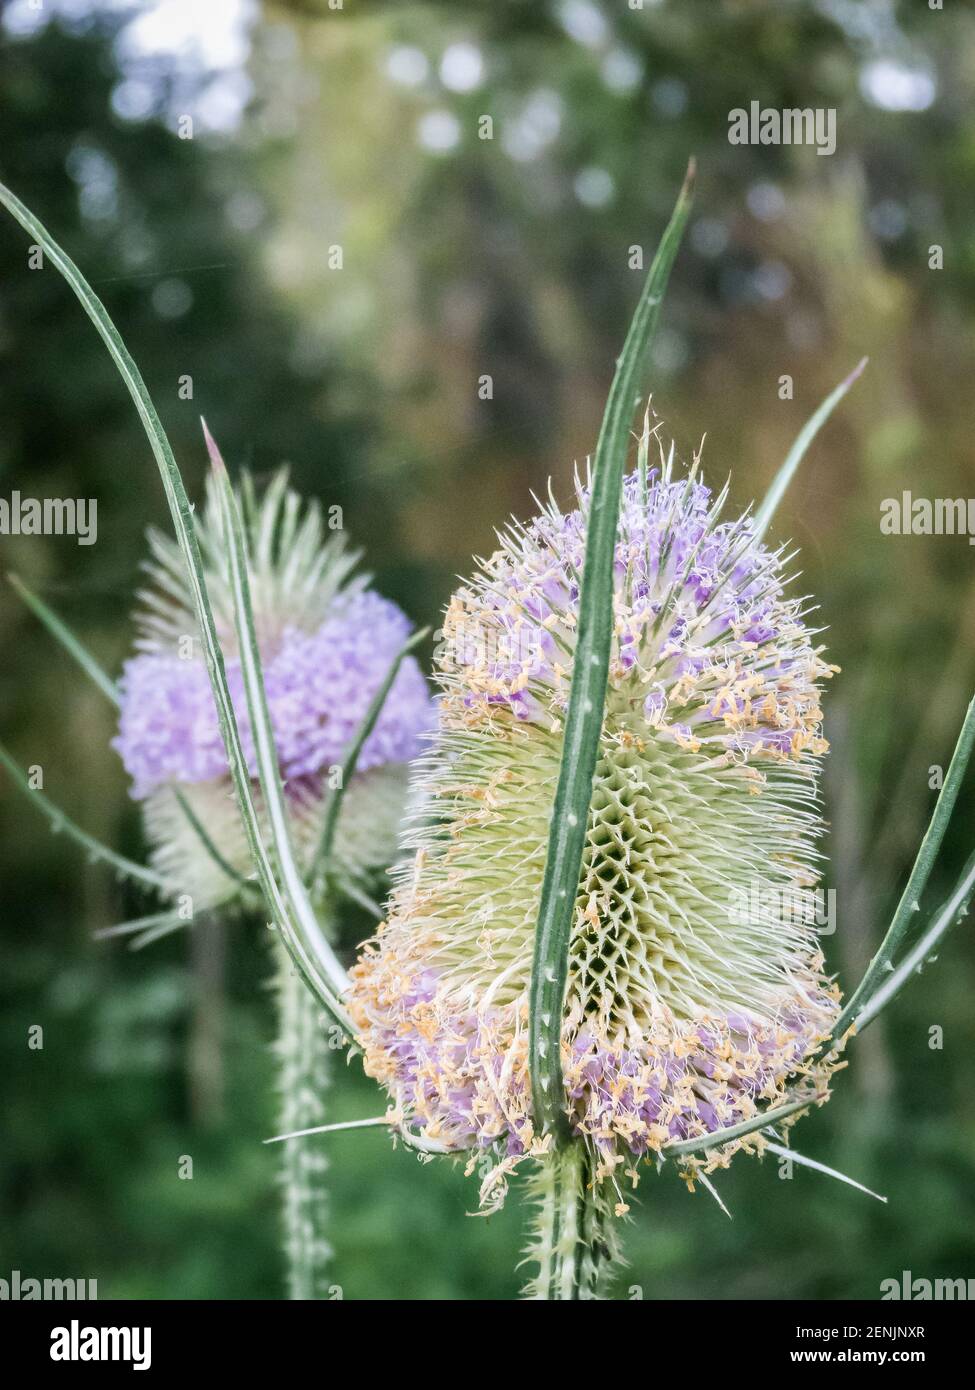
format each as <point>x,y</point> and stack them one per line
<point>463,256</point>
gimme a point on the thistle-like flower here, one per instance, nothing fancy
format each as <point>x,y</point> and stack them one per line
<point>684,1007</point>
<point>326,642</point>
<point>667,892</point>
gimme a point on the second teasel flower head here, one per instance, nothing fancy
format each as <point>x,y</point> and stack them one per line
<point>326,643</point>
<point>696,985</point>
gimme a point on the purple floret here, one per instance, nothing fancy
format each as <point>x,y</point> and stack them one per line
<point>319,686</point>
<point>705,638</point>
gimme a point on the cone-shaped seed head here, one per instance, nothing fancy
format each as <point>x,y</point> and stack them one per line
<point>696,985</point>
<point>326,644</point>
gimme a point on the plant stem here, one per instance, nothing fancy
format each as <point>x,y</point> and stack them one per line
<point>573,1242</point>
<point>303,1058</point>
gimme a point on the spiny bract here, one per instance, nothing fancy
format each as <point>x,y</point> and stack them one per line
<point>326,643</point>
<point>684,1009</point>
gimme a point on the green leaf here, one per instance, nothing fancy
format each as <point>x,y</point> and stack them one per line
<point>956,907</point>
<point>198,828</point>
<point>376,1120</point>
<point>182,516</point>
<point>782,1152</point>
<point>796,454</point>
<point>153,934</point>
<point>141,925</point>
<point>583,725</point>
<point>300,928</point>
<point>127,868</point>
<point>911,897</point>
<point>681,1147</point>
<point>63,634</point>
<point>179,503</point>
<point>321,863</point>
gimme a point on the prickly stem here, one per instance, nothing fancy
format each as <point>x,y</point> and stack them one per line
<point>573,1243</point>
<point>303,1054</point>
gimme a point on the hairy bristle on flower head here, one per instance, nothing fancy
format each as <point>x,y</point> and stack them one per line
<point>326,644</point>
<point>696,986</point>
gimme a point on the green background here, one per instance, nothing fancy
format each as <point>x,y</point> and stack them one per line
<point>507,257</point>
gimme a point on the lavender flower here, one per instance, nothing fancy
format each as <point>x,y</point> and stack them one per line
<point>681,1014</point>
<point>326,642</point>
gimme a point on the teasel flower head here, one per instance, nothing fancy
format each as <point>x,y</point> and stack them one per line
<point>326,642</point>
<point>696,987</point>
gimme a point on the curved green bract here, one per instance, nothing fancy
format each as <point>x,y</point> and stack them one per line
<point>797,453</point>
<point>584,718</point>
<point>318,970</point>
<point>909,903</point>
